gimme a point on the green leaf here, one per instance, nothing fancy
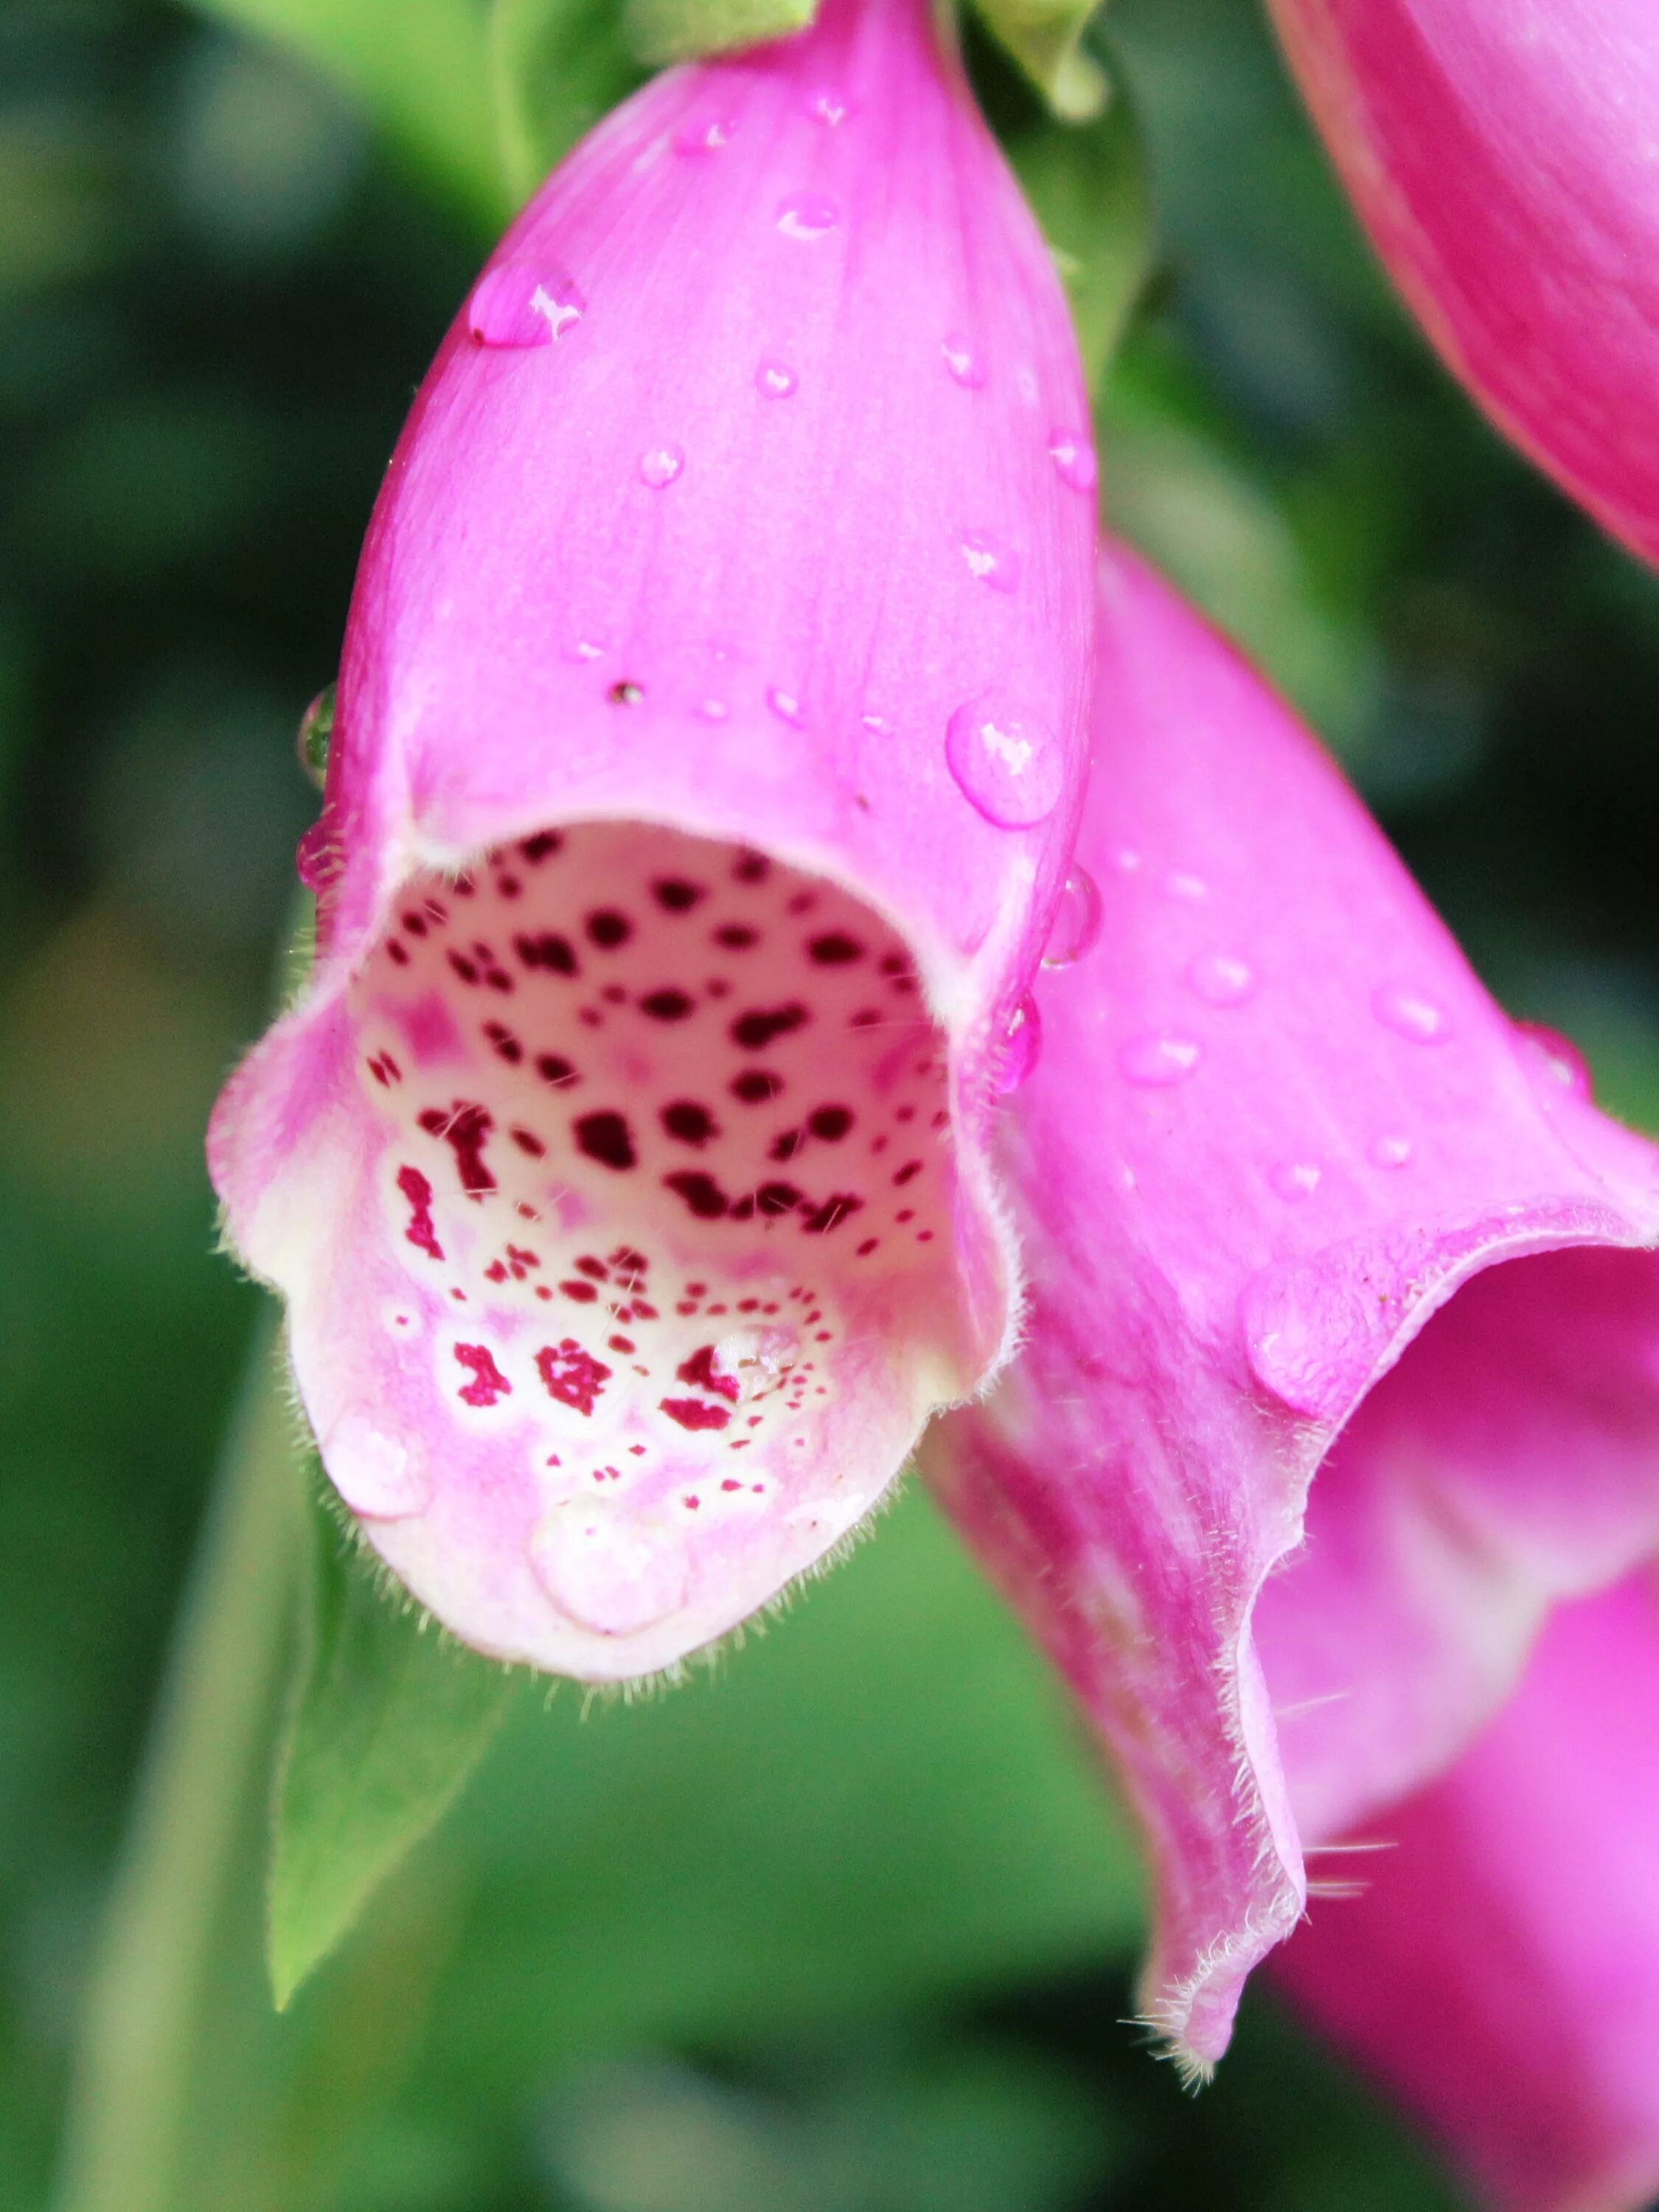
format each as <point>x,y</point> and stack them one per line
<point>555,67</point>
<point>389,1717</point>
<point>1087,183</point>
<point>680,30</point>
<point>417,67</point>
<point>1045,37</point>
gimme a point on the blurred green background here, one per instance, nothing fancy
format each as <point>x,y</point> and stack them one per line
<point>848,1923</point>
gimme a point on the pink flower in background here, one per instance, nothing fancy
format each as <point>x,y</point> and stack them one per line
<point>1504,157</point>
<point>1495,1968</point>
<point>709,747</point>
<point>1342,1362</point>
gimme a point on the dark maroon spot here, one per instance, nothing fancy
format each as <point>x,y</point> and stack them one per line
<point>464,884</point>
<point>868,1247</point>
<point>538,847</point>
<point>786,1147</point>
<point>755,1086</point>
<point>554,1070</point>
<point>777,1198</point>
<point>580,1289</point>
<point>691,1123</point>
<point>488,1381</point>
<point>498,979</point>
<point>495,1271</point>
<point>547,950</point>
<point>830,1122</point>
<point>608,929</point>
<point>587,1265</point>
<point>700,1370</point>
<point>834,949</point>
<point>395,953</point>
<point>528,1141</point>
<point>508,886</point>
<point>607,1138</point>
<point>619,1343</point>
<point>743,1209</point>
<point>465,1129</point>
<point>694,1413</point>
<point>665,1005</point>
<point>908,1173</point>
<point>625,694</point>
<point>751,868</point>
<point>463,967</point>
<point>735,936</point>
<point>756,1029</point>
<point>674,893</point>
<point>420,1232</point>
<point>506,1045</point>
<point>867,1018</point>
<point>706,1200</point>
<point>574,1376</point>
<point>820,1219</point>
<point>415,924</point>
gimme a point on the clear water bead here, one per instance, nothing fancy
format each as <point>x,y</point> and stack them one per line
<point>775,379</point>
<point>1220,979</point>
<point>1160,1059</point>
<point>1389,1151</point>
<point>1073,458</point>
<point>1411,1014</point>
<point>807,215</point>
<point>1556,1058</point>
<point>515,305</point>
<point>1294,1180</point>
<point>1076,924</point>
<point>990,560</point>
<point>706,137</point>
<point>785,705</point>
<point>1009,767</point>
<point>829,107</point>
<point>1021,1043</point>
<point>964,361</point>
<point>660,466</point>
<point>316,729</point>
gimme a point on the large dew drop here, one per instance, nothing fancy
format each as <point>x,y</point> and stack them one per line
<point>1007,766</point>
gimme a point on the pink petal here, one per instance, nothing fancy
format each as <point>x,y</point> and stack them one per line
<point>1277,1128</point>
<point>1498,1969</point>
<point>1502,157</point>
<point>694,811</point>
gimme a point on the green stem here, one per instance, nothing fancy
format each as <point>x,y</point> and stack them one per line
<point>127,2124</point>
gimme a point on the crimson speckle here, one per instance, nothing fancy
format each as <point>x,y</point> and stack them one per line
<point>554,1069</point>
<point>701,1194</point>
<point>831,1123</point>
<point>690,1123</point>
<point>608,929</point>
<point>695,1412</point>
<point>675,894</point>
<point>487,1383</point>
<point>835,949</point>
<point>757,1029</point>
<point>465,1129</point>
<point>420,1233</point>
<point>542,845</point>
<point>735,936</point>
<point>823,1218</point>
<point>755,1086</point>
<point>548,949</point>
<point>701,1370</point>
<point>605,1137</point>
<point>665,1005</point>
<point>572,1375</point>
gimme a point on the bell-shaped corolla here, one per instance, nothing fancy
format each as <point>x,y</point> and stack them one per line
<point>708,744</point>
<point>1496,1966</point>
<point>1504,157</point>
<point>1300,1202</point>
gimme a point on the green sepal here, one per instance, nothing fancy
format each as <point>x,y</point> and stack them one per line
<point>681,30</point>
<point>555,67</point>
<point>1045,37</point>
<point>388,1718</point>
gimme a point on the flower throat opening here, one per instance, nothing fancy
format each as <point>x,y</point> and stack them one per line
<point>666,1183</point>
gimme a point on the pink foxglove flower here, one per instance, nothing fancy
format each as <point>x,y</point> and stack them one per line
<point>1303,1208</point>
<point>1503,156</point>
<point>1498,1967</point>
<point>709,745</point>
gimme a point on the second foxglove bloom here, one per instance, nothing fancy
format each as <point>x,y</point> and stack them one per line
<point>708,752</point>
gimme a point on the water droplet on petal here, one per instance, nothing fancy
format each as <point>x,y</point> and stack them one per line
<point>1076,924</point>
<point>1411,1014</point>
<point>1073,458</point>
<point>317,858</point>
<point>990,560</point>
<point>378,1477</point>
<point>603,1576</point>
<point>583,648</point>
<point>704,138</point>
<point>1389,1151</point>
<point>711,710</point>
<point>1181,884</point>
<point>828,107</point>
<point>807,215</point>
<point>316,729</point>
<point>877,725</point>
<point>517,305</point>
<point>1222,980</point>
<point>1159,1059</point>
<point>775,378</point>
<point>1022,1042</point>
<point>1294,1180</point>
<point>1547,1052</point>
<point>1127,861</point>
<point>1010,769</point>
<point>785,705</point>
<point>964,361</point>
<point>659,465</point>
